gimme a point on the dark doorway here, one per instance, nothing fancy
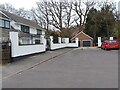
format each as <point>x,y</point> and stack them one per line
<point>86,43</point>
<point>78,43</point>
<point>48,44</point>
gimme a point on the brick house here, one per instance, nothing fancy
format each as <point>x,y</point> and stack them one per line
<point>84,39</point>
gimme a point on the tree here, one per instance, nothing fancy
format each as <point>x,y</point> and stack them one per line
<point>57,15</point>
<point>82,9</point>
<point>69,15</point>
<point>42,15</point>
<point>20,12</point>
<point>92,23</point>
<point>101,22</point>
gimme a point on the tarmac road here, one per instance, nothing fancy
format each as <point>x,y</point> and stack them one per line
<point>87,68</point>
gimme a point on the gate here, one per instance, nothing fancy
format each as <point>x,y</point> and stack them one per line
<point>48,44</point>
<point>6,52</point>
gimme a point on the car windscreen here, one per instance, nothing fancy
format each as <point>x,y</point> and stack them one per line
<point>112,41</point>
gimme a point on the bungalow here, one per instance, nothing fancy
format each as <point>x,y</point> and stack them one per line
<point>26,36</point>
<point>84,39</point>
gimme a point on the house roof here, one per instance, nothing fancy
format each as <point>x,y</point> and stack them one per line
<point>76,29</point>
<point>2,15</point>
<point>22,20</point>
<point>82,33</point>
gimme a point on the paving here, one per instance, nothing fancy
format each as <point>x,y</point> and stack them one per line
<point>29,62</point>
<point>78,68</point>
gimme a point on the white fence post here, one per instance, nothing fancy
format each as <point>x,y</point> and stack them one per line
<point>42,40</point>
<point>66,40</point>
<point>51,39</point>
<point>14,41</point>
<point>59,40</point>
<point>99,42</point>
<point>111,38</point>
<point>76,41</point>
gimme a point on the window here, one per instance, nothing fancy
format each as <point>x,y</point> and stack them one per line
<point>112,41</point>
<point>25,29</point>
<point>39,32</point>
<point>37,41</point>
<point>7,24</point>
<point>1,24</point>
<point>4,23</point>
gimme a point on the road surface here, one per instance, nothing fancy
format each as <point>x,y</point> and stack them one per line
<point>87,68</point>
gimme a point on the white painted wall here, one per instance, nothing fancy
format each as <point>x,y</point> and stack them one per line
<point>99,41</point>
<point>57,46</point>
<point>33,30</point>
<point>24,50</point>
<point>43,32</point>
<point>62,45</point>
<point>73,44</point>
<point>15,25</point>
<point>111,38</point>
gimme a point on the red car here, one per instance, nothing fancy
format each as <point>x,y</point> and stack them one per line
<point>110,44</point>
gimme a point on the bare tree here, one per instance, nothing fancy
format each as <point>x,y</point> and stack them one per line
<point>57,14</point>
<point>20,12</point>
<point>8,7</point>
<point>42,14</point>
<point>82,9</point>
<point>69,15</point>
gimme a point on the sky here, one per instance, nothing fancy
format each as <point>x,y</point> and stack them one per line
<point>28,4</point>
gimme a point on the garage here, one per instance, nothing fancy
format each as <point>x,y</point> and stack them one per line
<point>86,44</point>
<point>84,39</point>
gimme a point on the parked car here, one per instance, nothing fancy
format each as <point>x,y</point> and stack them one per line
<point>110,44</point>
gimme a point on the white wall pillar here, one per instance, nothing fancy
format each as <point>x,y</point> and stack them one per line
<point>42,39</point>
<point>76,41</point>
<point>51,39</point>
<point>14,41</point>
<point>66,40</point>
<point>99,41</point>
<point>14,38</point>
<point>111,38</point>
<point>59,40</point>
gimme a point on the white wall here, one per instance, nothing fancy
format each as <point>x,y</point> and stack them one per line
<point>73,44</point>
<point>25,49</point>
<point>33,31</point>
<point>99,41</point>
<point>43,32</point>
<point>57,46</point>
<point>16,26</point>
<point>62,45</point>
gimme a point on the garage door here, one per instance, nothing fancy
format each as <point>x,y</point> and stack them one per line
<point>86,43</point>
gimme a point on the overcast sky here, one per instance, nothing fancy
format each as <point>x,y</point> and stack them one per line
<point>28,4</point>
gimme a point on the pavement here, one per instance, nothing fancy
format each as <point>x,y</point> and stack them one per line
<point>78,68</point>
<point>16,67</point>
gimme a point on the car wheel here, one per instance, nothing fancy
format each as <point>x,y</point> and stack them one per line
<point>106,49</point>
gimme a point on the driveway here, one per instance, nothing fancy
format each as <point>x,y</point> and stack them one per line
<point>87,68</point>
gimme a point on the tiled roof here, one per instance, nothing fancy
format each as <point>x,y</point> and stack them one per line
<point>22,20</point>
<point>3,15</point>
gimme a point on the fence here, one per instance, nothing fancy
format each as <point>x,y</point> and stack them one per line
<point>62,43</point>
<point>21,50</point>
